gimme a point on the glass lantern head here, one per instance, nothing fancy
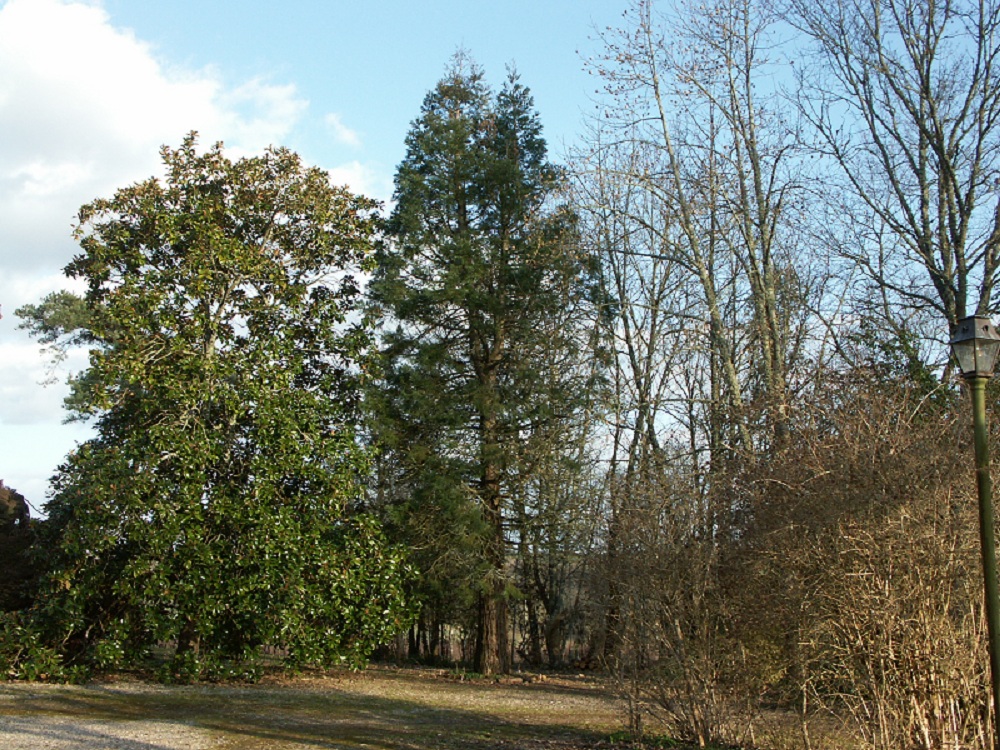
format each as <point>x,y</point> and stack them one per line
<point>975,343</point>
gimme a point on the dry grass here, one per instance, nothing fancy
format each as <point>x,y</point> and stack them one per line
<point>407,709</point>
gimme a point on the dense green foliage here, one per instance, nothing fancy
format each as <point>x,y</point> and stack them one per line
<point>214,508</point>
<point>482,284</point>
<point>17,533</point>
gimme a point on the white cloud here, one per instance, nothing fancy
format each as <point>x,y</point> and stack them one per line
<point>364,179</point>
<point>29,455</point>
<point>39,179</point>
<point>341,132</point>
<point>258,114</point>
<point>25,400</point>
<point>84,109</point>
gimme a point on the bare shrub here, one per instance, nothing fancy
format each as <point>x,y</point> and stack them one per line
<point>858,579</point>
<point>677,665</point>
<point>899,638</point>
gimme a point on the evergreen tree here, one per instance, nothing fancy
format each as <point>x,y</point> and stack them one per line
<point>213,509</point>
<point>482,282</point>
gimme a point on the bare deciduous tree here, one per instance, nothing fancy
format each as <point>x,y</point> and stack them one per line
<point>903,96</point>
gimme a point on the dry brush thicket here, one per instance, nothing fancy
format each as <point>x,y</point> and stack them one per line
<point>847,608</point>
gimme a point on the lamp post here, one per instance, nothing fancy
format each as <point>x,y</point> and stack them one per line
<point>975,343</point>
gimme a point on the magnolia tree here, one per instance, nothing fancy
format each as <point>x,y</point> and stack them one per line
<point>213,509</point>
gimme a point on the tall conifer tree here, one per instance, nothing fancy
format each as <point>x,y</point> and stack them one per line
<point>481,273</point>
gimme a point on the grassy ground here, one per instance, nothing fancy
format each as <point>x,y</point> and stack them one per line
<point>411,709</point>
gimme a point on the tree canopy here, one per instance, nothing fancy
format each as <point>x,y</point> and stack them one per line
<point>214,508</point>
<point>482,285</point>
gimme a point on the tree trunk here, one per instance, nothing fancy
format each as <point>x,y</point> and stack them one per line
<point>188,640</point>
<point>491,637</point>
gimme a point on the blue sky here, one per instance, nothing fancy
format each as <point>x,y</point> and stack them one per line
<point>89,90</point>
<point>372,63</point>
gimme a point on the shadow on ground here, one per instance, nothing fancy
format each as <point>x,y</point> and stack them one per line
<point>388,711</point>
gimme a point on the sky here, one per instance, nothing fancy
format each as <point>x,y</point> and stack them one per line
<point>90,90</point>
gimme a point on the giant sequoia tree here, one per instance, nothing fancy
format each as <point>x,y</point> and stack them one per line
<point>212,509</point>
<point>482,283</point>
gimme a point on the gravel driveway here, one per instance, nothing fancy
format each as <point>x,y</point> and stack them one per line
<point>55,717</point>
<point>61,733</point>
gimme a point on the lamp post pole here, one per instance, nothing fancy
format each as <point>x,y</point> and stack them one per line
<point>987,541</point>
<point>975,342</point>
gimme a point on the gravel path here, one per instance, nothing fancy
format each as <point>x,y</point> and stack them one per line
<point>57,717</point>
<point>61,733</point>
